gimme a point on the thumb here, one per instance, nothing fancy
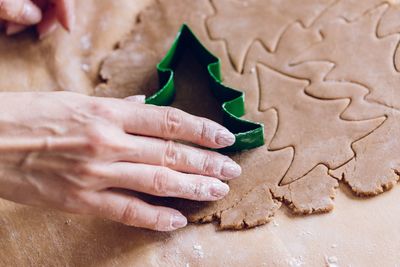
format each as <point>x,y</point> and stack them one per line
<point>20,11</point>
<point>137,98</point>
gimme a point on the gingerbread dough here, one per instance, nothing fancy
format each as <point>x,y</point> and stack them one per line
<point>321,106</point>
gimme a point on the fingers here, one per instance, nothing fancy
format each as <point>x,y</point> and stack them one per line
<point>171,123</point>
<point>65,13</point>
<point>164,182</point>
<point>135,212</point>
<point>20,11</point>
<point>177,156</point>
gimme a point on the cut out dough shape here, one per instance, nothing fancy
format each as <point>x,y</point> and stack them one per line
<point>312,126</point>
<point>375,70</point>
<point>306,131</point>
<point>313,193</point>
<point>376,167</point>
<point>239,23</point>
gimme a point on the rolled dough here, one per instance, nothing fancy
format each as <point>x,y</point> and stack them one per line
<point>328,102</point>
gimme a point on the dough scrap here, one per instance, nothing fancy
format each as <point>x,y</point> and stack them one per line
<point>375,168</point>
<point>326,116</point>
<point>313,193</point>
<point>248,213</point>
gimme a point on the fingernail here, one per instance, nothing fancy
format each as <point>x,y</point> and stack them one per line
<point>231,169</point>
<point>136,98</point>
<point>13,28</point>
<point>219,190</point>
<point>31,13</point>
<point>178,221</point>
<point>225,138</point>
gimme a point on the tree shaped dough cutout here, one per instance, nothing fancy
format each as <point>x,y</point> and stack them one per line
<point>311,126</point>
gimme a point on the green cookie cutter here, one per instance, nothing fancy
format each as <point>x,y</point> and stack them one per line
<point>248,134</point>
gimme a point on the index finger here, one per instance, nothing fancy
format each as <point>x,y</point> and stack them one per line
<point>171,123</point>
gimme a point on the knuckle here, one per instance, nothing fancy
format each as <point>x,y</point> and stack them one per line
<point>158,222</point>
<point>103,110</point>
<point>160,181</point>
<point>84,169</point>
<point>172,121</point>
<point>129,213</point>
<point>199,190</point>
<point>171,154</point>
<point>205,130</point>
<point>207,164</point>
<point>74,199</point>
<point>97,140</point>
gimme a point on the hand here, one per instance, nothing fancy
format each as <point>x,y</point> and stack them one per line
<point>75,153</point>
<point>17,15</point>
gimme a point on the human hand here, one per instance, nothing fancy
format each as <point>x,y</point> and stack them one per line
<point>17,15</point>
<point>73,152</point>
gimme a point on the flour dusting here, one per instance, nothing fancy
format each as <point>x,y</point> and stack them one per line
<point>198,251</point>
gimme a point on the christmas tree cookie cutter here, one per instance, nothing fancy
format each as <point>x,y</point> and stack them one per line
<point>248,134</point>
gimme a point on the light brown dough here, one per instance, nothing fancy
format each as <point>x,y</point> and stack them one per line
<point>375,168</point>
<point>318,114</point>
<point>376,71</point>
<point>248,213</point>
<point>313,193</point>
<point>240,23</point>
<point>312,126</point>
<point>368,88</point>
